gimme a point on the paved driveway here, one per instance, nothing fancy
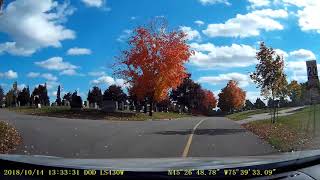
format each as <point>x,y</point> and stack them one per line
<point>76,138</point>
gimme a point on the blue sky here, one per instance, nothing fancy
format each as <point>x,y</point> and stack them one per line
<point>73,43</point>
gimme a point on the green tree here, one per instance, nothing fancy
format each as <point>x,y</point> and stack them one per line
<point>269,74</point>
<point>58,100</point>
<point>259,104</point>
<point>2,96</point>
<point>41,94</point>
<point>188,94</point>
<point>10,98</point>
<point>114,93</point>
<point>76,101</point>
<point>24,97</point>
<point>95,96</point>
<point>67,97</point>
<point>248,105</point>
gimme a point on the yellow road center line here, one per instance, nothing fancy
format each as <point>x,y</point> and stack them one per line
<point>187,147</point>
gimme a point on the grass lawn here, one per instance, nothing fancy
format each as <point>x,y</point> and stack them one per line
<point>245,114</point>
<point>9,138</point>
<point>66,112</point>
<point>293,132</point>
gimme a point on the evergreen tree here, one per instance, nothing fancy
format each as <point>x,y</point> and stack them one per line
<point>249,105</point>
<point>259,104</point>
<point>1,96</point>
<point>24,97</point>
<point>95,96</point>
<point>58,100</point>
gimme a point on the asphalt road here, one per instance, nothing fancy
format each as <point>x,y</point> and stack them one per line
<point>76,138</point>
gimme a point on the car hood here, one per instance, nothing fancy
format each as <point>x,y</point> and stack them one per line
<point>163,164</point>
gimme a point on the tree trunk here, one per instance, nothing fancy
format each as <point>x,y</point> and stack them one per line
<point>145,107</point>
<point>151,108</point>
<point>273,111</point>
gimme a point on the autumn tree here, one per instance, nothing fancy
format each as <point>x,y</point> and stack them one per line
<point>269,74</point>
<point>154,62</point>
<point>208,102</point>
<point>295,92</point>
<point>232,97</point>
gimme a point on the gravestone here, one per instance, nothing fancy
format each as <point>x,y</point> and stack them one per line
<point>109,106</point>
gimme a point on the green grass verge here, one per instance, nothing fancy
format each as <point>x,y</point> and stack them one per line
<point>245,114</point>
<point>9,138</point>
<point>66,112</point>
<point>293,132</point>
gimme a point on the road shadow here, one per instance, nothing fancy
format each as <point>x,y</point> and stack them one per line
<point>211,132</point>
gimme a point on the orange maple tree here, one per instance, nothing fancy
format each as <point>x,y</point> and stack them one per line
<point>231,97</point>
<point>209,100</point>
<point>154,63</point>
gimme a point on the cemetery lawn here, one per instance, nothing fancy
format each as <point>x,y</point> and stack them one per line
<point>66,112</point>
<point>289,133</point>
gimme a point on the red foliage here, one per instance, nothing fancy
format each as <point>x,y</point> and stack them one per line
<point>154,62</point>
<point>209,100</point>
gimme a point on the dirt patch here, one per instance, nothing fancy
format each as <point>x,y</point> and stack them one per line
<point>9,138</point>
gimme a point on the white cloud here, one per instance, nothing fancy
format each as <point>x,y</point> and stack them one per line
<point>52,85</point>
<point>258,3</point>
<point>297,71</point>
<point>69,72</point>
<point>210,56</point>
<point>191,34</point>
<point>247,25</point>
<point>79,51</point>
<point>282,53</point>
<point>97,73</point>
<point>199,23</point>
<point>308,13</point>
<point>9,75</point>
<point>33,75</point>
<point>33,25</point>
<point>209,2</point>
<point>93,3</point>
<point>109,81</point>
<point>242,79</point>
<point>253,95</point>
<point>125,35</point>
<point>49,77</point>
<point>302,54</point>
<point>57,64</point>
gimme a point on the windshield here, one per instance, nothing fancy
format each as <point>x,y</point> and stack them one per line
<point>100,79</point>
